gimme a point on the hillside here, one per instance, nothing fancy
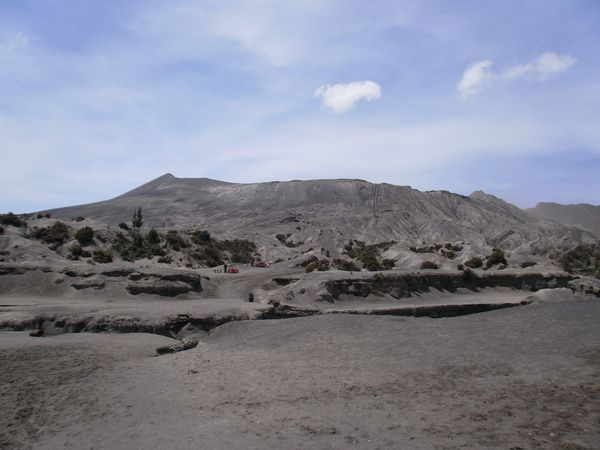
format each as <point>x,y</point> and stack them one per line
<point>584,216</point>
<point>329,213</point>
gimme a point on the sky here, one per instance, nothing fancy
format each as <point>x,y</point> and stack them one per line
<point>100,96</point>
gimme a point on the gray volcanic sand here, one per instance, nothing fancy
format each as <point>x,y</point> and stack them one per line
<point>522,377</point>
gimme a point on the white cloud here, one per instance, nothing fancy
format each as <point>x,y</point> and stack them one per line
<point>479,75</point>
<point>342,97</point>
<point>474,79</point>
<point>546,66</point>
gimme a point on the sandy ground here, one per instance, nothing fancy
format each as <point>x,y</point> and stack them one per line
<point>526,377</point>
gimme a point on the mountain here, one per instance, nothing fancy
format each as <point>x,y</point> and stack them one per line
<point>328,213</point>
<point>584,216</point>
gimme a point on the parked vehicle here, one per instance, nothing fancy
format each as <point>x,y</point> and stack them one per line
<point>233,270</point>
<point>263,264</point>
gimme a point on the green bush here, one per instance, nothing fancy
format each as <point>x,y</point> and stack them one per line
<point>368,254</point>
<point>85,236</point>
<point>240,250</point>
<point>175,241</point>
<point>103,256</point>
<point>78,219</point>
<point>153,236</point>
<point>474,263</point>
<point>429,265</point>
<point>320,265</point>
<point>11,219</point>
<point>201,237</point>
<point>388,264</point>
<point>497,257</point>
<point>78,252</point>
<point>165,260</point>
<point>56,235</point>
<point>348,266</point>
<point>124,226</point>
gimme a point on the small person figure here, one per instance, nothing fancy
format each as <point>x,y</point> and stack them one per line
<point>251,297</point>
<point>224,268</point>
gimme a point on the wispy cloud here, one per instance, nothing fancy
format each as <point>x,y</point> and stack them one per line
<point>342,97</point>
<point>19,41</point>
<point>479,75</point>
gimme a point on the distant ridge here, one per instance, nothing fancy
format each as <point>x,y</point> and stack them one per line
<point>330,212</point>
<point>582,215</point>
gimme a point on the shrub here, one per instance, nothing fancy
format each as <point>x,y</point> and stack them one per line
<point>308,261</point>
<point>448,253</point>
<point>78,252</point>
<point>429,265</point>
<point>11,219</point>
<point>497,257</point>
<point>342,264</point>
<point>153,236</point>
<point>79,219</point>
<point>165,259</point>
<point>85,236</point>
<point>320,265</point>
<point>526,264</point>
<point>57,234</point>
<point>124,226</point>
<point>200,237</point>
<point>174,240</point>
<point>103,256</point>
<point>1,230</point>
<point>388,264</point>
<point>240,250</point>
<point>469,276</point>
<point>460,267</point>
<point>474,263</point>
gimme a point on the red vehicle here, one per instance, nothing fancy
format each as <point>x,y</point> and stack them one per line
<point>233,270</point>
<point>263,264</point>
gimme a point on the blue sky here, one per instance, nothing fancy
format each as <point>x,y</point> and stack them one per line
<point>97,97</point>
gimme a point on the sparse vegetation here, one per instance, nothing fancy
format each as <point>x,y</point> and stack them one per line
<point>320,265</point>
<point>78,252</point>
<point>153,237</point>
<point>78,219</point>
<point>103,256</point>
<point>85,236</point>
<point>124,226</point>
<point>343,264</point>
<point>175,241</point>
<point>497,257</point>
<point>474,263</point>
<point>11,219</point>
<point>55,235</point>
<point>368,255</point>
<point>429,265</point>
<point>585,259</point>
<point>448,250</point>
<point>201,237</point>
<point>388,264</point>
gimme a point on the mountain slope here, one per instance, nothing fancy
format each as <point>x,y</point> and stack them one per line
<point>327,213</point>
<point>584,216</point>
